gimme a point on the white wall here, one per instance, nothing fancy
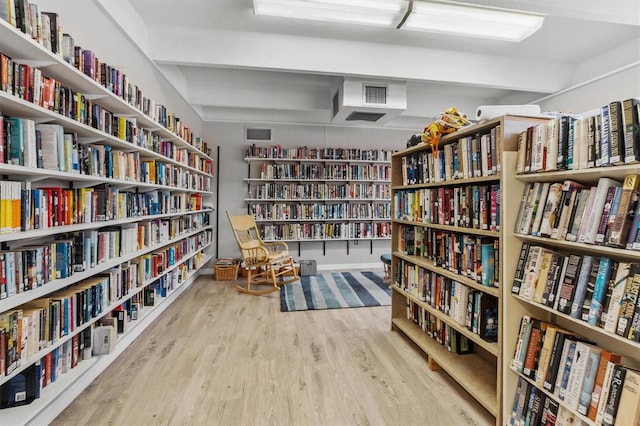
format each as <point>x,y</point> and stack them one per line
<point>233,190</point>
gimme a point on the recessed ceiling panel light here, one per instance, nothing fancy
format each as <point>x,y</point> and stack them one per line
<point>471,21</point>
<point>385,13</point>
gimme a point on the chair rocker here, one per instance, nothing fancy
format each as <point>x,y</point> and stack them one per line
<point>266,263</point>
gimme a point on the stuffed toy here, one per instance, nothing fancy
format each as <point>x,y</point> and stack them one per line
<point>447,122</point>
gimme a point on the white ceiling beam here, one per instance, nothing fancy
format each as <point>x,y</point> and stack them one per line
<point>189,46</point>
<point>617,12</point>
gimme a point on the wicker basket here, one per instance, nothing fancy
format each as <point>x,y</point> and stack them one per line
<point>226,272</point>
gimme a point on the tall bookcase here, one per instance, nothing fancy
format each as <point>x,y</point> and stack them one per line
<point>448,213</point>
<point>516,306</point>
<point>319,194</point>
<point>153,186</point>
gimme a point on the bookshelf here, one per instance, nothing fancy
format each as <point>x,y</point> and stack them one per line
<point>118,227</point>
<point>519,305</point>
<point>319,194</point>
<point>445,208</point>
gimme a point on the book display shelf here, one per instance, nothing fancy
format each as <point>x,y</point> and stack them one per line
<point>319,194</point>
<point>104,215</point>
<point>571,344</point>
<point>448,258</point>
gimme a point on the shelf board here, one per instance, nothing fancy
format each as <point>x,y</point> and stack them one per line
<point>428,264</point>
<point>328,239</point>
<point>583,175</point>
<point>317,200</point>
<point>569,246</point>
<point>317,180</point>
<point>474,373</point>
<point>458,229</point>
<point>623,346</point>
<point>37,233</point>
<point>313,160</point>
<point>456,182</point>
<point>491,347</point>
<point>346,219</point>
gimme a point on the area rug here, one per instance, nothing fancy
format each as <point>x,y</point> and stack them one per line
<point>332,290</point>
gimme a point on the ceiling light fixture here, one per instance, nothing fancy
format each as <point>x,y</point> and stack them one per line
<point>438,17</point>
<point>384,13</point>
<point>471,21</point>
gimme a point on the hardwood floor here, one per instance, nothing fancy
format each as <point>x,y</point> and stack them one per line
<point>219,357</point>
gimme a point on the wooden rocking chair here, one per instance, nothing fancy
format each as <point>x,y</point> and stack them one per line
<point>267,263</point>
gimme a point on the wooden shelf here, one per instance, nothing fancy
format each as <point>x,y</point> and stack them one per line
<point>570,246</point>
<point>428,264</point>
<point>490,347</point>
<point>474,373</point>
<point>458,229</point>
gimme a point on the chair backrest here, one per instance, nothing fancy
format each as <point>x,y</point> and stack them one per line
<point>245,232</point>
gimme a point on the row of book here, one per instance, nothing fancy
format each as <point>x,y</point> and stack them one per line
<point>316,211</point>
<point>27,268</point>
<point>306,153</point>
<point>471,256</point>
<point>471,156</point>
<point>26,209</point>
<point>318,191</point>
<point>473,309</point>
<point>45,28</point>
<point>608,137</point>
<point>48,146</point>
<point>41,323</point>
<point>574,374</point>
<point>322,231</point>
<point>438,330</point>
<point>325,171</point>
<point>468,206</point>
<point>35,325</point>
<point>598,290</point>
<point>605,214</point>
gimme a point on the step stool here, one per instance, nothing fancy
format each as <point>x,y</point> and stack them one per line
<point>386,261</point>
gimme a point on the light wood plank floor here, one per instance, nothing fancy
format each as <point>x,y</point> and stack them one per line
<point>219,357</point>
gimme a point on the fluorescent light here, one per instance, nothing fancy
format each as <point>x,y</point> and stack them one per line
<point>472,21</point>
<point>385,13</point>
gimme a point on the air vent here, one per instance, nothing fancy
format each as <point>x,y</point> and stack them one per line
<point>371,117</point>
<point>258,135</point>
<point>375,95</point>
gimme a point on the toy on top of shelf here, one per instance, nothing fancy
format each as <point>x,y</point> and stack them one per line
<point>447,122</point>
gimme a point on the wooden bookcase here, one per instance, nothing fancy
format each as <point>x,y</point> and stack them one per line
<point>515,306</point>
<point>480,372</point>
<point>316,194</point>
<point>180,249</point>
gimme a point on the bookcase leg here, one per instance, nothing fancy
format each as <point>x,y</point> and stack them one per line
<point>433,366</point>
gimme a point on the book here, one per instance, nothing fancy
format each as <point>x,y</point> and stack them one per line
<point>564,371</point>
<point>520,268</point>
<point>549,339</point>
<point>519,353</point>
<point>536,336</point>
<point>624,214</point>
<point>586,198</point>
<point>629,407</point>
<point>628,303</point>
<point>631,130</point>
<point>606,357</point>
<point>532,270</point>
<point>566,289</point>
<point>602,281</point>
<point>551,210</point>
<point>613,399</point>
<point>588,383</point>
<point>623,272</point>
<point>540,198</point>
<point>605,136</point>
<point>578,373</point>
<point>604,394</point>
<point>616,133</point>
<point>541,280</point>
<point>561,225</point>
<point>554,277</point>
<point>556,358</point>
<point>610,207</point>
<point>586,277</point>
<point>523,206</point>
<point>589,228</point>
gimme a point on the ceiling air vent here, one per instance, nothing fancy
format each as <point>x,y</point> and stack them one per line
<point>375,95</point>
<point>371,117</point>
<point>258,135</point>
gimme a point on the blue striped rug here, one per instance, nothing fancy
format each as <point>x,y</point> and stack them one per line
<point>333,290</point>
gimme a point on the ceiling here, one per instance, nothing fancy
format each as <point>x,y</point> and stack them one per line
<point>236,66</point>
